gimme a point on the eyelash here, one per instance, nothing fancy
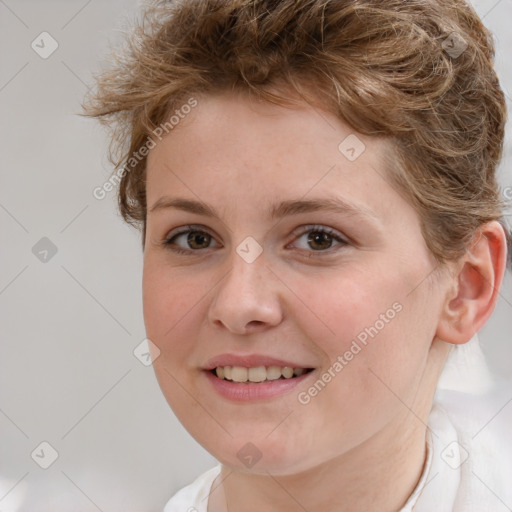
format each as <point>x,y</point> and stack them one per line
<point>169,243</point>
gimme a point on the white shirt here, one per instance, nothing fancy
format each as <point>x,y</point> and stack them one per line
<point>469,445</point>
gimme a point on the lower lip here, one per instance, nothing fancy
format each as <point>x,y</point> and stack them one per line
<point>242,392</point>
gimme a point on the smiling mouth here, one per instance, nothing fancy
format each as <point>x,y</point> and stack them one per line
<point>253,375</point>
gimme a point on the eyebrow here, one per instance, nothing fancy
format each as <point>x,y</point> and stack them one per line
<point>277,211</point>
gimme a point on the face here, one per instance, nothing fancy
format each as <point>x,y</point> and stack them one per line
<point>270,245</point>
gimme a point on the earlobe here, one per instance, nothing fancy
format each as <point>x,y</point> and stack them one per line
<point>475,287</point>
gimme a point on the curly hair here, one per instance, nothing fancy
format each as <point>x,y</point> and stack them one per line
<point>420,73</point>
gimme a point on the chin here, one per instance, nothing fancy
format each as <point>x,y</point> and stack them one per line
<point>261,456</point>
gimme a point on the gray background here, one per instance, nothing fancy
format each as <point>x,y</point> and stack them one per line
<point>69,326</point>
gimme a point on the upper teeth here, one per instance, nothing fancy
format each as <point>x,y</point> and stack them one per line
<point>256,374</point>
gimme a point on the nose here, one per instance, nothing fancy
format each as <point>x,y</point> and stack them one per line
<point>247,298</point>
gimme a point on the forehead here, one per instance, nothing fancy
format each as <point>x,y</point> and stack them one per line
<point>231,149</point>
<point>244,129</point>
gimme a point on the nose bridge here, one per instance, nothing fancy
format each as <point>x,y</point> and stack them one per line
<point>245,296</point>
<point>246,276</point>
<point>247,263</point>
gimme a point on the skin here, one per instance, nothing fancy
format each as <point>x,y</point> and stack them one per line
<point>360,443</point>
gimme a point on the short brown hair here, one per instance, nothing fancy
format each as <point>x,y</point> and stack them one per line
<point>383,66</point>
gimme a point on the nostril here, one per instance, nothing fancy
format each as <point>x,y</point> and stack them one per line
<point>255,323</point>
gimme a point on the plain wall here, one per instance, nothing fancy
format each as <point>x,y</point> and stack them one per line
<point>68,375</point>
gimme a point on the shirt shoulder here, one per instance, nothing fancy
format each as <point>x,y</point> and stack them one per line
<point>194,497</point>
<point>483,424</point>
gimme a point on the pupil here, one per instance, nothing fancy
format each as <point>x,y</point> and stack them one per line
<point>321,238</point>
<point>193,236</point>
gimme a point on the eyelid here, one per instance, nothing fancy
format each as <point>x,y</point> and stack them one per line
<point>185,229</point>
<point>301,230</point>
<point>333,233</point>
<point>181,231</point>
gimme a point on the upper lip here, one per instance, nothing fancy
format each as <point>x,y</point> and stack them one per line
<point>249,361</point>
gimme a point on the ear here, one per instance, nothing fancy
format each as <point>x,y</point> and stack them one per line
<point>475,287</point>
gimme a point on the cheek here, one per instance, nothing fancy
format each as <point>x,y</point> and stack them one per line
<point>373,326</point>
<point>348,306</point>
<point>376,355</point>
<point>171,306</point>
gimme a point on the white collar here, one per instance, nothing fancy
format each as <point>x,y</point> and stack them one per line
<point>439,483</point>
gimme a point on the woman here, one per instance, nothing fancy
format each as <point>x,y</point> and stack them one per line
<point>322,226</point>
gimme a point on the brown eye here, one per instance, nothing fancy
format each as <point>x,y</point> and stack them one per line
<point>319,239</point>
<point>194,240</point>
<point>198,239</point>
